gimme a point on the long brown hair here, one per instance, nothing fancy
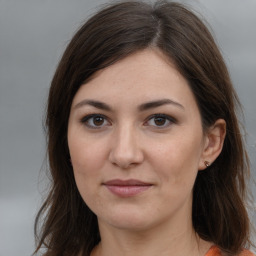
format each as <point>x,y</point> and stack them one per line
<point>219,215</point>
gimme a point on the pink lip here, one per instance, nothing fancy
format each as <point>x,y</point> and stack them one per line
<point>126,188</point>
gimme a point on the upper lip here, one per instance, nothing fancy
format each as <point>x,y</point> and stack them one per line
<point>130,182</point>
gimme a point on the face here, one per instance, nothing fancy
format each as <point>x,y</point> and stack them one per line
<point>136,141</point>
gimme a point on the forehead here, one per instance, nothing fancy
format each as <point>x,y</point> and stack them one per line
<point>143,76</point>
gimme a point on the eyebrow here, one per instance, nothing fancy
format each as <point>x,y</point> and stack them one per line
<point>94,103</point>
<point>158,103</point>
<point>142,107</point>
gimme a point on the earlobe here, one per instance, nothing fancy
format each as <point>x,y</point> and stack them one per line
<point>207,164</point>
<point>213,144</point>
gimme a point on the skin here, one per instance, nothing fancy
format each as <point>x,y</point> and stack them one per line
<point>128,142</point>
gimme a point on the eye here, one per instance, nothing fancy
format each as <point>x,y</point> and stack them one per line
<point>160,120</point>
<point>95,121</point>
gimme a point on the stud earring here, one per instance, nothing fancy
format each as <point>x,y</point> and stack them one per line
<point>207,164</point>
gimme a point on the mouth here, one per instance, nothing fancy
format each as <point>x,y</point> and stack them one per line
<point>127,188</point>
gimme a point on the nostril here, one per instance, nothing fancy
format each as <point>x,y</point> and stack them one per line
<point>126,158</point>
<point>125,151</point>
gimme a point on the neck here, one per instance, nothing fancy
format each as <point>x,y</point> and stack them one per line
<point>161,241</point>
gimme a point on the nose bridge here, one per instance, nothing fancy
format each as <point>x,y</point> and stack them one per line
<point>126,149</point>
<point>125,138</point>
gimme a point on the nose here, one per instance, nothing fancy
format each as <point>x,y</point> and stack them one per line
<point>125,150</point>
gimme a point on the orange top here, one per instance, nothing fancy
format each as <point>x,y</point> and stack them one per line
<point>215,251</point>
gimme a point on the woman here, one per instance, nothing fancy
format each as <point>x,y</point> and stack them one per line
<point>144,146</point>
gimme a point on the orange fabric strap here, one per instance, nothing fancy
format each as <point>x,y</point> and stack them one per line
<point>215,251</point>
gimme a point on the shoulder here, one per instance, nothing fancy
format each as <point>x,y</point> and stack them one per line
<point>246,253</point>
<point>215,251</point>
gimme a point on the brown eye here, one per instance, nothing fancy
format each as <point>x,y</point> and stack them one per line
<point>98,121</point>
<point>95,121</point>
<point>160,121</point>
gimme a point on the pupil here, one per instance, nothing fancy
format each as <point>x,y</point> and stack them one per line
<point>98,121</point>
<point>159,121</point>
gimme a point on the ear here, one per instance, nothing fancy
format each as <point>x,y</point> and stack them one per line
<point>213,143</point>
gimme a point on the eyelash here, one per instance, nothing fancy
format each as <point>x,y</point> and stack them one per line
<point>168,118</point>
<point>85,120</point>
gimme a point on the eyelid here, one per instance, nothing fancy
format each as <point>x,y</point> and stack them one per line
<point>86,118</point>
<point>171,119</point>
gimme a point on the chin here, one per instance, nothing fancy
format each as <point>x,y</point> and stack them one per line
<point>128,220</point>
<point>131,225</point>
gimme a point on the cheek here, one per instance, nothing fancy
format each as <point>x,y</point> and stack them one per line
<point>87,161</point>
<point>86,154</point>
<point>178,159</point>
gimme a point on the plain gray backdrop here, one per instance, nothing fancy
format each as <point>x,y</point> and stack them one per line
<point>33,35</point>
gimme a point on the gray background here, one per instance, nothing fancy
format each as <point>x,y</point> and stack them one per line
<point>33,34</point>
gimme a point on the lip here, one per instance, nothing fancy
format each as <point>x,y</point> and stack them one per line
<point>127,188</point>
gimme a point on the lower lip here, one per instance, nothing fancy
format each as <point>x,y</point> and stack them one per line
<point>127,191</point>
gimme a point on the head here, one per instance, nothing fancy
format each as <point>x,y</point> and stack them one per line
<point>112,35</point>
